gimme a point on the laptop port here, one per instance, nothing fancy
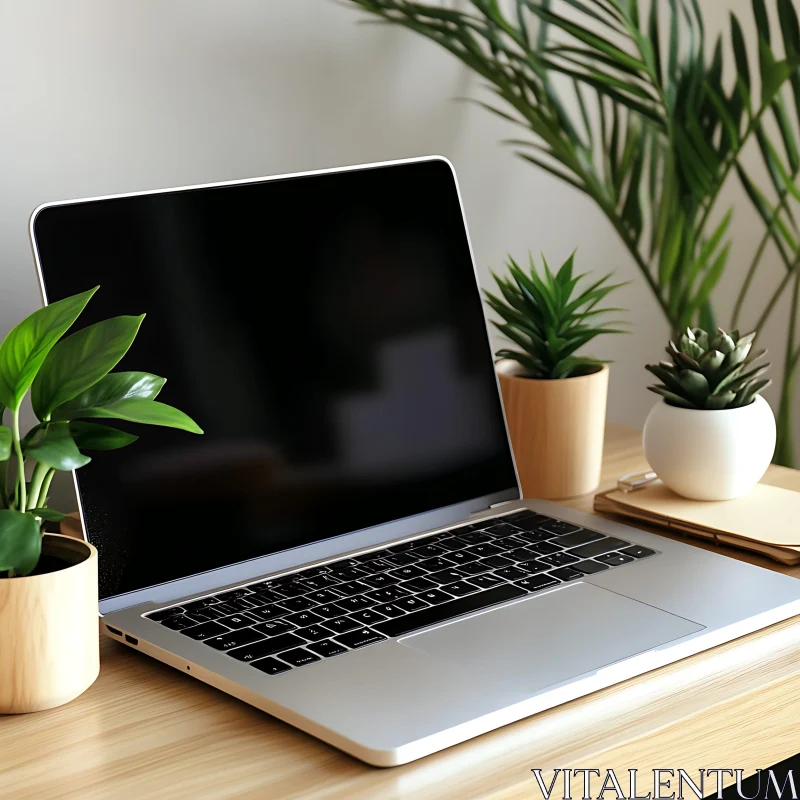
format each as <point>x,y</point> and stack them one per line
<point>113,630</point>
<point>131,640</point>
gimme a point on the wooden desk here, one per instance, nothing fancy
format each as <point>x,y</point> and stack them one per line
<point>145,731</point>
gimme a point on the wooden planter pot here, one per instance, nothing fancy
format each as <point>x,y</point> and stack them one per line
<point>49,645</point>
<point>556,429</point>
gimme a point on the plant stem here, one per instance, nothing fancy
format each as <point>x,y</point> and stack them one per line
<point>37,479</point>
<point>23,492</point>
<point>3,477</point>
<point>792,273</point>
<point>45,488</point>
<point>784,454</point>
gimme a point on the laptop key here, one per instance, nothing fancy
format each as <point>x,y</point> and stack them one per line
<point>407,573</point>
<point>363,637</point>
<point>579,537</point>
<point>559,526</point>
<point>348,574</point>
<point>428,550</point>
<point>380,580</point>
<point>475,567</point>
<point>533,523</point>
<point>234,594</point>
<point>237,621</point>
<point>253,651</point>
<point>462,557</point>
<point>535,583</point>
<point>535,536</point>
<point>400,559</point>
<point>276,644</point>
<point>483,550</point>
<point>501,530</point>
<point>330,610</point>
<point>387,595</point>
<point>418,585</point>
<point>299,657</point>
<point>340,625</point>
<point>566,574</point>
<point>204,631</point>
<point>435,597</point>
<point>532,567</point>
<point>202,603</point>
<point>274,628</point>
<point>209,612</point>
<point>454,543</point>
<point>521,554</point>
<point>234,639</point>
<point>615,559</point>
<point>544,548</point>
<point>486,581</point>
<point>264,596</point>
<point>324,596</point>
<point>450,610</point>
<point>370,615</point>
<point>165,613</point>
<point>460,588</point>
<point>409,604</point>
<point>268,613</point>
<point>599,547</point>
<point>391,610</point>
<point>559,559</point>
<point>327,648</point>
<point>271,666</point>
<point>590,567</point>
<point>354,587</point>
<point>495,562</point>
<point>511,573</point>
<point>475,537</point>
<point>355,603</point>
<point>436,563</point>
<point>181,621</point>
<point>313,633</point>
<point>637,551</point>
<point>304,618</point>
<point>320,582</point>
<point>447,575</point>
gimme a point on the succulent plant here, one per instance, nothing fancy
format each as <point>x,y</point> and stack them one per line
<point>710,372</point>
<point>548,320</point>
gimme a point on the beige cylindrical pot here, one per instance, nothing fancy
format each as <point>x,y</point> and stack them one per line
<point>49,645</point>
<point>557,429</point>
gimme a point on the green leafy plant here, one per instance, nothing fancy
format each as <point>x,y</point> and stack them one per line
<point>711,372</point>
<point>636,108</point>
<point>549,320</point>
<point>70,381</point>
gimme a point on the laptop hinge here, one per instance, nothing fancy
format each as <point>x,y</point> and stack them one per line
<point>493,506</point>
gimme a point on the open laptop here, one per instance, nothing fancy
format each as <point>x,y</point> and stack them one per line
<point>346,548</point>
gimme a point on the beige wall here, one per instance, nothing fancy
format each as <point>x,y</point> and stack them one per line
<point>102,96</point>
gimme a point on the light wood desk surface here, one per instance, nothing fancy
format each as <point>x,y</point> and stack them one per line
<point>146,731</point>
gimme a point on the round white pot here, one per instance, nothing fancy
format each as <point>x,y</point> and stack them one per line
<point>710,455</point>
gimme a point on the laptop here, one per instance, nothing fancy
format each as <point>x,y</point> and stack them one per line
<point>346,548</point>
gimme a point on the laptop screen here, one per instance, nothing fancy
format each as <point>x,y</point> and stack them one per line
<point>325,331</point>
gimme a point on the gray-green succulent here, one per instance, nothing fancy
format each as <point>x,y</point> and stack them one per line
<point>710,372</point>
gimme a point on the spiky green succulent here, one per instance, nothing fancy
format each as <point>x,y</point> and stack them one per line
<point>710,371</point>
<point>549,318</point>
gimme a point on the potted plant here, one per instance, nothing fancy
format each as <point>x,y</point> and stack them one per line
<point>712,436</point>
<point>49,646</point>
<point>555,400</point>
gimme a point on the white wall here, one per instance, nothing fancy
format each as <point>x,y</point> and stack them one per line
<point>104,96</point>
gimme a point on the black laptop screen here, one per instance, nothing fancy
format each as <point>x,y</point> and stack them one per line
<point>327,334</point>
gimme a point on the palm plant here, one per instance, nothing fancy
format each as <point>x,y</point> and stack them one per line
<point>637,115</point>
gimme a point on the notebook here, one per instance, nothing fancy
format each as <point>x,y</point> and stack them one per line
<point>766,520</point>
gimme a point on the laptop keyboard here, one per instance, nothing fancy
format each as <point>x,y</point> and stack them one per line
<point>287,622</point>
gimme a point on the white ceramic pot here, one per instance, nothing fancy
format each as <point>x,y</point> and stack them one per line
<point>710,455</point>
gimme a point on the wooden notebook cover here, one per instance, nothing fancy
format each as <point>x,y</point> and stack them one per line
<point>766,520</point>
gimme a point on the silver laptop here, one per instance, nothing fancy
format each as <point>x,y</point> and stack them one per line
<point>346,548</point>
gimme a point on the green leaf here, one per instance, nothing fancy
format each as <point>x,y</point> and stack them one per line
<point>27,345</point>
<point>20,541</point>
<point>54,447</point>
<point>49,514</point>
<point>146,412</point>
<point>672,398</point>
<point>91,436</point>
<point>80,361</point>
<point>6,441</point>
<point>109,389</point>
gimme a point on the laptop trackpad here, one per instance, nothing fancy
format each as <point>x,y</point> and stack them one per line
<point>546,639</point>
